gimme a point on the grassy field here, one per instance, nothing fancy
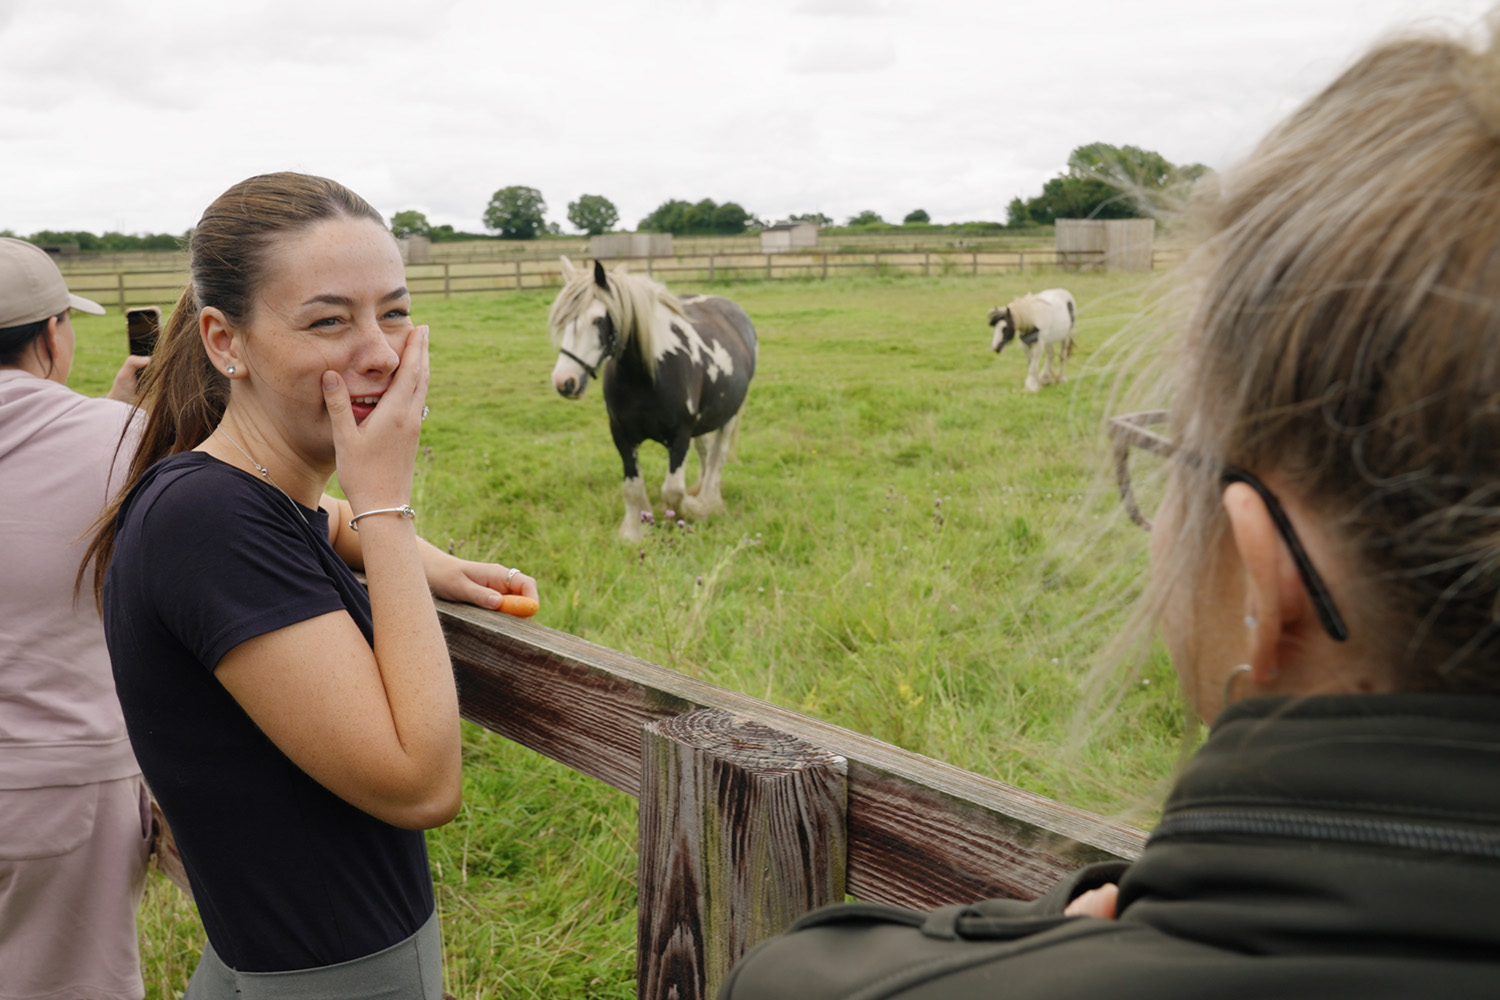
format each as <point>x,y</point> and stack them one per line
<point>914,548</point>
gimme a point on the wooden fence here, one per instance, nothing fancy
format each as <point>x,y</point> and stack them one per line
<point>446,278</point>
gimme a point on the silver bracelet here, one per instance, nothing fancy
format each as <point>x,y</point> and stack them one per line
<point>404,510</point>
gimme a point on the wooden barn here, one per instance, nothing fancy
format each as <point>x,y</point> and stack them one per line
<point>612,245</point>
<point>786,236</point>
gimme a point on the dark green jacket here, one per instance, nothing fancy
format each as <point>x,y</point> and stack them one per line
<point>1331,847</point>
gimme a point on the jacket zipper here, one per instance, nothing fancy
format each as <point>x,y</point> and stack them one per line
<point>1329,827</point>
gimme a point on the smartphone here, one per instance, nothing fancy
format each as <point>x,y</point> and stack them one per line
<point>142,324</point>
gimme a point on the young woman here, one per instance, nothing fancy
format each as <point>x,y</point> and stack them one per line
<point>1326,572</point>
<point>298,733</point>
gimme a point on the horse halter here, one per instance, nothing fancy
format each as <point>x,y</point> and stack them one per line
<point>608,341</point>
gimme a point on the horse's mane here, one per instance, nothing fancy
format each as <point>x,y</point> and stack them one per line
<point>631,303</point>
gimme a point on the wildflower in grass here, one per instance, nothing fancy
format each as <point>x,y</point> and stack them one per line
<point>671,514</point>
<point>649,518</point>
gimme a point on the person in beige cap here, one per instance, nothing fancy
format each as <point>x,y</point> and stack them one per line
<point>74,814</point>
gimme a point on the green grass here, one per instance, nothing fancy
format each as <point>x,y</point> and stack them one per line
<point>898,557</point>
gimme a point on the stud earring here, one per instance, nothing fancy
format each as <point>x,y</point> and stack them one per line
<point>229,370</point>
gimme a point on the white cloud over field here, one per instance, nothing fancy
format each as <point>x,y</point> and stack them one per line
<point>132,117</point>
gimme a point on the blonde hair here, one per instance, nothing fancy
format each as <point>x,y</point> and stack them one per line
<point>229,254</point>
<point>1345,334</point>
<point>631,302</point>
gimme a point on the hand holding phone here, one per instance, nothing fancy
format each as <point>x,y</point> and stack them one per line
<point>142,326</point>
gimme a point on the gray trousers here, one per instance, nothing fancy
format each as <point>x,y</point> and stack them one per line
<point>408,970</point>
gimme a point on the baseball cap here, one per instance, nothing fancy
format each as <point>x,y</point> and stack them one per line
<point>31,286</point>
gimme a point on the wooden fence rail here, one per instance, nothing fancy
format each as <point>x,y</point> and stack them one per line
<point>913,831</point>
<point>155,287</point>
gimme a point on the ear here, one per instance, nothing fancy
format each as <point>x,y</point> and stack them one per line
<point>1274,593</point>
<point>599,278</point>
<point>569,271</point>
<point>219,339</point>
<point>50,337</point>
<point>996,314</point>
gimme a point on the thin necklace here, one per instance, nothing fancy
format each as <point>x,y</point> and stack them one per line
<point>265,474</point>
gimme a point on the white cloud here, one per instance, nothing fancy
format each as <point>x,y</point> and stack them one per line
<point>134,116</point>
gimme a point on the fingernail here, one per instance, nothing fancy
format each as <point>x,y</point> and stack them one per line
<point>494,601</point>
<point>330,381</point>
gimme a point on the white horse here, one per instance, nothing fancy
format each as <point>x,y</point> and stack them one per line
<point>1044,319</point>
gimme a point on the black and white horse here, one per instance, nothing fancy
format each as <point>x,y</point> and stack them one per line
<point>675,370</point>
<point>1044,322</point>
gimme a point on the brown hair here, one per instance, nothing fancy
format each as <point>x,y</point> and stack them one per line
<point>1346,335</point>
<point>182,392</point>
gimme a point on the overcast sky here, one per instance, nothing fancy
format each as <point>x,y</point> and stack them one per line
<point>134,116</point>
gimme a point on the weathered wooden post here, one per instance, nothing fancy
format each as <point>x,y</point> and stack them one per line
<point>742,830</point>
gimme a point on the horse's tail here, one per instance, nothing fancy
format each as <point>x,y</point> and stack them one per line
<point>1072,321</point>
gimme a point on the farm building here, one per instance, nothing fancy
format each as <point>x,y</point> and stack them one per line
<point>1125,244</point>
<point>415,249</point>
<point>786,236</point>
<point>612,245</point>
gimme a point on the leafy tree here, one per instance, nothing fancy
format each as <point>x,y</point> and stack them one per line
<point>1107,182</point>
<point>730,218</point>
<point>410,223</point>
<point>690,219</point>
<point>516,212</point>
<point>816,218</point>
<point>920,215</point>
<point>866,218</point>
<point>1016,214</point>
<point>593,213</point>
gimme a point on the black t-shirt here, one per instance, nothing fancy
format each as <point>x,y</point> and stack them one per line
<point>286,874</point>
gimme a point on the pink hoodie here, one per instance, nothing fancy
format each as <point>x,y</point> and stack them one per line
<point>60,723</point>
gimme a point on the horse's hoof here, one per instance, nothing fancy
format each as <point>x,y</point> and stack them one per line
<point>696,509</point>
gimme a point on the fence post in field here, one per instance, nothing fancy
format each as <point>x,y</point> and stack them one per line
<point>518,274</point>
<point>447,290</point>
<point>926,265</point>
<point>768,267</point>
<point>825,267</point>
<point>710,267</point>
<point>649,272</point>
<point>742,830</point>
<point>120,283</point>
<point>1021,265</point>
<point>976,263</point>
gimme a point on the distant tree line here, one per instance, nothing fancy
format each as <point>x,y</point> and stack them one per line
<point>1101,182</point>
<point>108,243</point>
<point>1106,182</point>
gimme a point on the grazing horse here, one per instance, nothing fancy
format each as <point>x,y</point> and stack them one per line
<point>675,370</point>
<point>1044,319</point>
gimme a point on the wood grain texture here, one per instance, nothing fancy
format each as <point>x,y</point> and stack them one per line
<point>741,832</point>
<point>921,833</point>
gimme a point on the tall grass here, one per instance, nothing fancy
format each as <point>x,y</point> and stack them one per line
<point>898,557</point>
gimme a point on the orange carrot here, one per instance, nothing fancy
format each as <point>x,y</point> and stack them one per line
<point>521,607</point>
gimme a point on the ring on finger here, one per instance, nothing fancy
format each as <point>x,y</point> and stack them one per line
<point>511,574</point>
